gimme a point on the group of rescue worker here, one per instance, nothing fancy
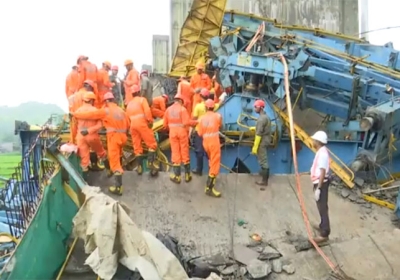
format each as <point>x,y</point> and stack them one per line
<point>96,100</point>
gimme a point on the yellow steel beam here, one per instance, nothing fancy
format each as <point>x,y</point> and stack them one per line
<point>203,23</point>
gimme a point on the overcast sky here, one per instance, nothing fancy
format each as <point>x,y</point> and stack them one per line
<point>41,39</point>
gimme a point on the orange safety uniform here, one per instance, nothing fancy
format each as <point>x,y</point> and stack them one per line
<point>72,83</point>
<point>90,141</point>
<point>75,101</point>
<point>88,71</point>
<point>218,90</point>
<point>177,120</point>
<point>140,117</point>
<point>208,128</point>
<point>131,79</point>
<point>116,123</point>
<point>159,106</point>
<point>186,91</point>
<point>103,84</point>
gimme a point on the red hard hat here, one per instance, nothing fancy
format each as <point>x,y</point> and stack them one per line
<point>259,103</point>
<point>178,96</point>
<point>210,103</point>
<point>205,92</point>
<point>108,96</point>
<point>135,88</point>
<point>89,82</point>
<point>144,72</point>
<point>165,96</point>
<point>114,67</point>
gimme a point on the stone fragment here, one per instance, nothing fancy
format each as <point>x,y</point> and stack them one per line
<point>289,268</point>
<point>345,193</point>
<point>244,255</point>
<point>230,269</point>
<point>259,269</point>
<point>277,266</point>
<point>243,270</point>
<point>269,253</point>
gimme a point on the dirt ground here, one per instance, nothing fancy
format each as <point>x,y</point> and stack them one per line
<point>363,242</point>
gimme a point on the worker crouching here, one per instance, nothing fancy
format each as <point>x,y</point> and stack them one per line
<point>261,141</point>
<point>209,129</point>
<point>177,120</point>
<point>139,114</point>
<point>159,106</point>
<point>88,137</point>
<point>116,123</point>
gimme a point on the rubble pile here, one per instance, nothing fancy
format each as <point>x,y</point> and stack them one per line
<point>255,261</point>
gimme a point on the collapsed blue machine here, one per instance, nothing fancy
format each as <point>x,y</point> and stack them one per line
<point>351,85</point>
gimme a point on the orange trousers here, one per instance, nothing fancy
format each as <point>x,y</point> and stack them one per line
<point>143,133</point>
<point>157,113</point>
<point>212,147</point>
<point>73,130</point>
<point>178,138</point>
<point>115,142</point>
<point>85,143</point>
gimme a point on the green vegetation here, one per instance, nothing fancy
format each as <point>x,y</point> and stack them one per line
<point>8,162</point>
<point>34,113</point>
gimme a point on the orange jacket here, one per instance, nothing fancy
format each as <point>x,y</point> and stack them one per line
<point>176,117</point>
<point>139,112</point>
<point>131,79</point>
<point>159,103</point>
<point>92,126</point>
<point>103,81</point>
<point>209,126</point>
<point>72,83</point>
<point>75,101</point>
<point>200,81</point>
<point>87,71</point>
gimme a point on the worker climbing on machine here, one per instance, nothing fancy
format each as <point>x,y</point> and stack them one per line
<point>88,137</point>
<point>159,106</point>
<point>72,81</point>
<point>87,71</point>
<point>116,123</point>
<point>185,89</point>
<point>218,90</point>
<point>177,120</point>
<point>117,85</point>
<point>200,79</point>
<point>320,178</point>
<point>198,112</point>
<point>103,82</point>
<point>261,142</point>
<point>141,120</point>
<point>146,87</point>
<point>209,128</point>
<point>131,78</point>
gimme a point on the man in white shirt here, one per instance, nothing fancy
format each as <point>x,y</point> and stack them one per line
<point>320,179</point>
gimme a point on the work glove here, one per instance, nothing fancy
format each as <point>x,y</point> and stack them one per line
<point>257,141</point>
<point>317,194</point>
<point>252,128</point>
<point>84,132</point>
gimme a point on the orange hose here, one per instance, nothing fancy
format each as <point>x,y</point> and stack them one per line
<point>296,169</point>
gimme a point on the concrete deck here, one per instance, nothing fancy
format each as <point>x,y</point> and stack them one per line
<point>366,246</point>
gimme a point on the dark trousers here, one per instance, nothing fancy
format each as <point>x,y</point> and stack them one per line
<point>323,209</point>
<point>199,151</point>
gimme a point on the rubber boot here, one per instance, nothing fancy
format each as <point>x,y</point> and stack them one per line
<point>264,178</point>
<point>139,169</point>
<point>117,189</point>
<point>199,166</point>
<point>176,176</point>
<point>100,163</point>
<point>188,174</point>
<point>210,190</point>
<point>151,157</point>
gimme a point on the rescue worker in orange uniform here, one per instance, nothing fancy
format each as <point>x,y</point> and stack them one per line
<point>177,120</point>
<point>200,79</point>
<point>187,92</point>
<point>88,137</point>
<point>72,82</point>
<point>198,112</point>
<point>196,99</point>
<point>141,120</point>
<point>132,78</point>
<point>116,123</point>
<point>103,82</point>
<point>159,106</point>
<point>75,101</point>
<point>87,71</point>
<point>209,129</point>
<point>218,90</point>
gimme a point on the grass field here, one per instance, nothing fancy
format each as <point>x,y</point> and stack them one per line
<point>8,162</point>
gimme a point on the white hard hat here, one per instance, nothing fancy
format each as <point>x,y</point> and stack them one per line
<point>320,136</point>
